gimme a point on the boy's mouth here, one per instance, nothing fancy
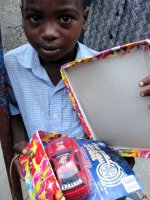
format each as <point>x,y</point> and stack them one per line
<point>50,51</point>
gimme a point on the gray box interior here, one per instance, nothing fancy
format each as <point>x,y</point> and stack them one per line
<point>108,95</point>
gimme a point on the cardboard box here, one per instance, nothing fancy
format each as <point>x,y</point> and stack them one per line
<point>105,93</point>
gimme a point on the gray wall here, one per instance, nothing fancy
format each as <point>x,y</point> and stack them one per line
<point>10,17</point>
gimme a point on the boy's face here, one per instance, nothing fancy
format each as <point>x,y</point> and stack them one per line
<point>52,27</point>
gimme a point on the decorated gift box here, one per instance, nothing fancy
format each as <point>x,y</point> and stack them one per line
<point>105,92</point>
<point>59,167</point>
<point>39,176</point>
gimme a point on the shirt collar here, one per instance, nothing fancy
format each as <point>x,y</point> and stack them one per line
<point>29,57</point>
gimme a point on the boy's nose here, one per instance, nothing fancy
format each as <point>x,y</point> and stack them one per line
<point>50,31</point>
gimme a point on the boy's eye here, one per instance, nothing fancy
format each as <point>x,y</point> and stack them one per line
<point>65,20</point>
<point>35,18</point>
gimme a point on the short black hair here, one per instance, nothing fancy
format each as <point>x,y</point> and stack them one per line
<point>84,3</point>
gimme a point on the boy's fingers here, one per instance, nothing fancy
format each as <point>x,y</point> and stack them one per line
<point>145,81</point>
<point>145,93</point>
<point>21,147</point>
<point>18,168</point>
<point>59,195</point>
<point>146,197</point>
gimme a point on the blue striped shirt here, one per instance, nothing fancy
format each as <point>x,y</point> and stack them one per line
<point>43,105</point>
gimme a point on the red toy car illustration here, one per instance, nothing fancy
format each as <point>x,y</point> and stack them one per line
<point>64,156</point>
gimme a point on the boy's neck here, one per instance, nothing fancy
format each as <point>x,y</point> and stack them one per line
<point>53,67</point>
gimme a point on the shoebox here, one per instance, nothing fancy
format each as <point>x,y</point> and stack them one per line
<point>58,167</point>
<point>105,93</point>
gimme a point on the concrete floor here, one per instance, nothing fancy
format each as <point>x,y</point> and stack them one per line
<point>5,193</point>
<point>142,170</point>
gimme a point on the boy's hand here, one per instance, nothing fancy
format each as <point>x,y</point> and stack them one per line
<point>146,197</point>
<point>21,149</point>
<point>143,83</point>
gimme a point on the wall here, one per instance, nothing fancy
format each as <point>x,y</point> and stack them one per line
<point>10,16</point>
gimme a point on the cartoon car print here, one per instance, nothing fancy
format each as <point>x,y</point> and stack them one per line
<point>64,156</point>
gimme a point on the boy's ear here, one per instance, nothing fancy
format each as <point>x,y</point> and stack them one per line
<point>85,18</point>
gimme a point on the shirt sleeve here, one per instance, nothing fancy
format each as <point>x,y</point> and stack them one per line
<point>14,109</point>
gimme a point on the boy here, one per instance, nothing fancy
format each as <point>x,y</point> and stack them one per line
<point>38,97</point>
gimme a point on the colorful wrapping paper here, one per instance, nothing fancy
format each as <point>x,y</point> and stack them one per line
<point>39,176</point>
<point>116,51</point>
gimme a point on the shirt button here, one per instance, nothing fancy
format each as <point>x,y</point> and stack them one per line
<point>55,116</point>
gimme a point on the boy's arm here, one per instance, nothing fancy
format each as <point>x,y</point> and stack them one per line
<point>18,129</point>
<point>20,137</point>
<point>20,140</point>
<point>17,125</point>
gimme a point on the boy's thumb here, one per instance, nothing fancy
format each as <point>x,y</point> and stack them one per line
<point>25,150</point>
<point>21,147</point>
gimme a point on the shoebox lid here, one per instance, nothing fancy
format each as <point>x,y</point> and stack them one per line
<point>105,92</point>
